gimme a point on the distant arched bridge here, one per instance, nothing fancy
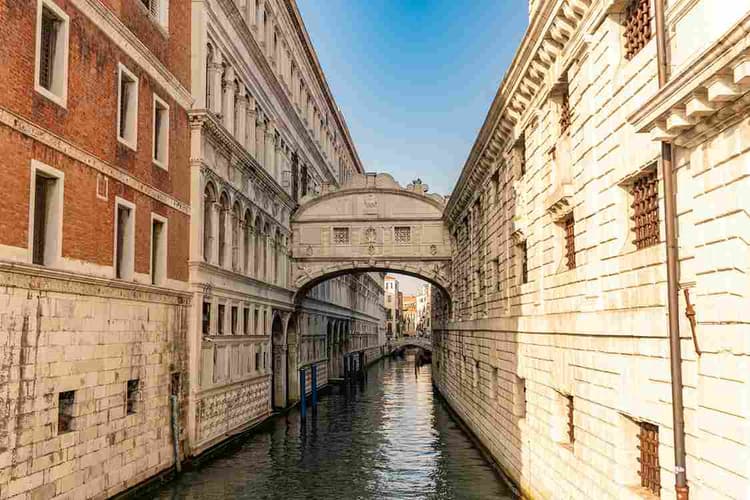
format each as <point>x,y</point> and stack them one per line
<point>423,342</point>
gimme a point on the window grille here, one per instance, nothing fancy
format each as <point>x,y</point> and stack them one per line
<point>124,102</point>
<point>341,236</point>
<point>523,250</point>
<point>571,424</point>
<point>570,241</point>
<point>637,27</point>
<point>645,193</point>
<point>50,26</point>
<point>402,234</point>
<point>132,395</point>
<point>206,320</point>
<point>649,447</point>
<point>152,6</point>
<point>565,112</point>
<point>65,405</point>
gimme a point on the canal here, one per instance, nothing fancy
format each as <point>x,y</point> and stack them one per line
<point>387,438</point>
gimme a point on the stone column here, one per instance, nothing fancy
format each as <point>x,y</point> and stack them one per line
<point>260,141</point>
<point>241,248</point>
<point>229,90</point>
<point>241,117</point>
<point>270,146</point>
<point>215,232</point>
<point>250,125</point>
<point>214,74</point>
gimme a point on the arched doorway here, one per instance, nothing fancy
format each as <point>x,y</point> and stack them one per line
<point>278,382</point>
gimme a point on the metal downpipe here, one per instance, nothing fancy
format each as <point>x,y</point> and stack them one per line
<point>670,215</point>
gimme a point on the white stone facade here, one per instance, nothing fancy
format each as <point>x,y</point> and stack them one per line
<point>555,351</point>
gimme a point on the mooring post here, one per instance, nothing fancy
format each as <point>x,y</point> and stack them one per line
<point>314,384</point>
<point>302,394</point>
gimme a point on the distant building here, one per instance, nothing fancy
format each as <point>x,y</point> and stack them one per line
<point>392,307</point>
<point>409,313</point>
<point>424,309</point>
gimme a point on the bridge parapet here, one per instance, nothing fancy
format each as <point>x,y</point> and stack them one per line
<point>423,342</point>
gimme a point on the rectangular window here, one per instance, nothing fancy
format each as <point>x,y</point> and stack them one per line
<point>637,23</point>
<point>221,319</point>
<point>158,10</point>
<point>127,107</point>
<point>523,259</point>
<point>650,472</point>
<point>161,133</point>
<point>402,234</point>
<point>52,52</point>
<point>65,406</point>
<point>570,241</point>
<point>257,360</point>
<point>340,235</point>
<point>47,206</point>
<point>258,329</point>
<point>645,195</point>
<point>571,423</point>
<point>132,396</point>
<point>158,250</point>
<point>234,318</point>
<point>206,318</point>
<point>519,397</point>
<point>124,239</point>
<point>246,321</point>
<point>265,360</point>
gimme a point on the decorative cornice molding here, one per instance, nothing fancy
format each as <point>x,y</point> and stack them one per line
<point>23,126</point>
<point>109,24</point>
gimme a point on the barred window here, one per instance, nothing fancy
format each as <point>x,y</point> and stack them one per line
<point>637,26</point>
<point>51,65</point>
<point>133,390</point>
<point>65,407</point>
<point>340,235</point>
<point>402,234</point>
<point>648,446</point>
<point>48,46</point>
<point>645,194</point>
<point>565,112</point>
<point>524,262</point>
<point>571,423</point>
<point>570,241</point>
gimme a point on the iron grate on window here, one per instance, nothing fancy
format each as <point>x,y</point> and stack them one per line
<point>50,25</point>
<point>571,424</point>
<point>524,262</point>
<point>645,193</point>
<point>341,235</point>
<point>570,241</point>
<point>565,112</point>
<point>637,27</point>
<point>648,438</point>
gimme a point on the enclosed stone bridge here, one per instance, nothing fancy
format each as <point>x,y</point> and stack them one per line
<point>371,223</point>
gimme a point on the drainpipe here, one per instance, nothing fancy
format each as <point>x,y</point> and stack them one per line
<point>670,213</point>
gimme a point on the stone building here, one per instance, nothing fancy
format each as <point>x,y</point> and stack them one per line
<point>266,132</point>
<point>424,309</point>
<point>554,348</point>
<point>409,314</point>
<point>93,219</point>
<point>393,309</point>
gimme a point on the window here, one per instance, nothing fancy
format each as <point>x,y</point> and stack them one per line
<point>265,360</point>
<point>402,234</point>
<point>175,384</point>
<point>637,26</point>
<point>158,249</point>
<point>340,235</point>
<point>47,200</point>
<point>52,52</point>
<point>571,423</point>
<point>257,360</point>
<point>124,238</point>
<point>221,319</point>
<point>645,195</point>
<point>160,138</point>
<point>234,317</point>
<point>650,472</point>
<point>246,320</point>
<point>65,406</point>
<point>158,10</point>
<point>127,108</point>
<point>258,328</point>
<point>523,259</point>
<point>131,398</point>
<point>570,241</point>
<point>206,318</point>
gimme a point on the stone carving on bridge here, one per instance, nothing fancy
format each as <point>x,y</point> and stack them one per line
<point>414,238</point>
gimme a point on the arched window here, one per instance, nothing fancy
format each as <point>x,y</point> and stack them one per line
<point>248,235</point>
<point>223,211</point>
<point>276,259</point>
<point>236,219</point>
<point>209,198</point>
<point>258,246</point>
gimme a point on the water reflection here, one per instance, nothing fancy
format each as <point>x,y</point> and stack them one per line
<point>388,438</point>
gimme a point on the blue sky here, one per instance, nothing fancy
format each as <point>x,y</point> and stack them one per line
<point>415,78</point>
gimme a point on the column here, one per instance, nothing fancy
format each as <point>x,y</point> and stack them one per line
<point>215,74</point>
<point>260,139</point>
<point>228,89</point>
<point>215,233</point>
<point>250,248</point>
<point>250,125</point>
<point>240,247</point>
<point>268,156</point>
<point>240,133</point>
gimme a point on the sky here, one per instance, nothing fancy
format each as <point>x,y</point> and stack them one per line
<point>414,79</point>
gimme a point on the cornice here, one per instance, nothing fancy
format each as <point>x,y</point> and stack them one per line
<point>108,22</point>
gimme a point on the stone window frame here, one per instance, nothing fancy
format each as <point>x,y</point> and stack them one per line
<point>626,235</point>
<point>59,95</point>
<point>399,240</point>
<point>159,275</point>
<point>128,137</point>
<point>159,105</point>
<point>128,272</point>
<point>54,224</point>
<point>341,236</point>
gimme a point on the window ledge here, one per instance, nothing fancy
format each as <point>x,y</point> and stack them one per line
<point>61,101</point>
<point>130,145</point>
<point>163,166</point>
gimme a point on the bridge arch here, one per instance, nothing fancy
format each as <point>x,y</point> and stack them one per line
<point>371,223</point>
